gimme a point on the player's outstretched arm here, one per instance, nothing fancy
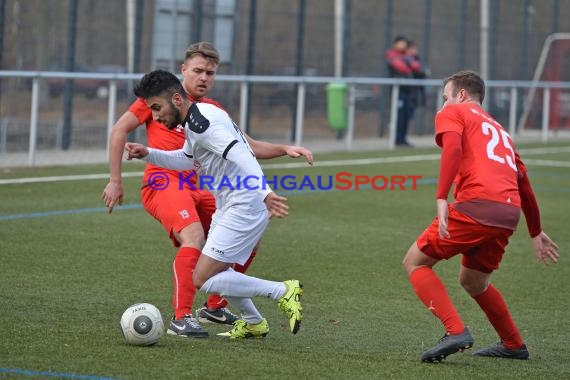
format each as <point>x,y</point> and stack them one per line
<point>545,248</point>
<point>298,151</point>
<point>113,192</point>
<point>449,166</point>
<point>267,150</point>
<point>168,159</point>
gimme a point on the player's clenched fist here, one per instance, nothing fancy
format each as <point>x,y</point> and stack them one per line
<point>135,150</point>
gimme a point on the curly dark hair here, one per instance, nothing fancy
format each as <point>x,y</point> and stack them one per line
<point>157,83</point>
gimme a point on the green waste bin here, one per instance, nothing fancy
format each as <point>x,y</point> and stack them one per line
<point>336,105</point>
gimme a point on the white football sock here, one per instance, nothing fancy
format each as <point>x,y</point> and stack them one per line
<point>235,284</point>
<point>247,309</point>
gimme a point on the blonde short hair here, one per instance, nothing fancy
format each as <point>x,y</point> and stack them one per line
<point>205,49</point>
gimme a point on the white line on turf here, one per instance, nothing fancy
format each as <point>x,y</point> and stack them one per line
<point>60,178</point>
<point>295,165</point>
<point>559,164</point>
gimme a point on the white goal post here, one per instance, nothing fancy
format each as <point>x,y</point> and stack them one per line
<point>538,72</point>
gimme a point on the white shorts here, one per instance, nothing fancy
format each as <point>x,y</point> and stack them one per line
<point>233,235</point>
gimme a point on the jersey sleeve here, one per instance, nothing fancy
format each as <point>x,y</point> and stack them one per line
<point>220,141</point>
<point>187,150</point>
<point>448,119</point>
<point>180,159</point>
<point>141,111</point>
<point>449,163</point>
<point>216,139</point>
<point>529,204</point>
<point>244,159</point>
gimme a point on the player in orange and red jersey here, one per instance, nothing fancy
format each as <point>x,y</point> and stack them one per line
<point>491,187</point>
<point>185,214</point>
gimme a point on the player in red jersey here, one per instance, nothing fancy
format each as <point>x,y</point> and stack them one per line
<point>186,215</point>
<point>491,187</point>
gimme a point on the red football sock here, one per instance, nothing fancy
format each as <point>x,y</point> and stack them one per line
<point>215,301</point>
<point>184,289</point>
<point>493,304</point>
<point>431,291</point>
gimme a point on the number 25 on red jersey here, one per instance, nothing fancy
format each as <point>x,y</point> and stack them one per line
<point>499,135</point>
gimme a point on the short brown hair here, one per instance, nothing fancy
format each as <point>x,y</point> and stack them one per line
<point>205,49</point>
<point>468,80</point>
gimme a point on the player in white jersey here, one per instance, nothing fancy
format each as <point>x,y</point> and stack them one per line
<point>210,137</point>
<point>216,148</point>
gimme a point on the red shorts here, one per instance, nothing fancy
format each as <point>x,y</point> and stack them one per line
<point>482,246</point>
<point>176,209</point>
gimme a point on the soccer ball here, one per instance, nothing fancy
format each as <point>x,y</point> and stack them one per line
<point>142,324</point>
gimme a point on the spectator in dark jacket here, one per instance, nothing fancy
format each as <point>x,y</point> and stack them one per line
<point>419,71</point>
<point>398,67</point>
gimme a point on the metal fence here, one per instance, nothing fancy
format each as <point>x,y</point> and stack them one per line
<point>282,108</point>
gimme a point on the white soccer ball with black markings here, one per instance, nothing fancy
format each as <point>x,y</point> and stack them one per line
<point>142,324</point>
